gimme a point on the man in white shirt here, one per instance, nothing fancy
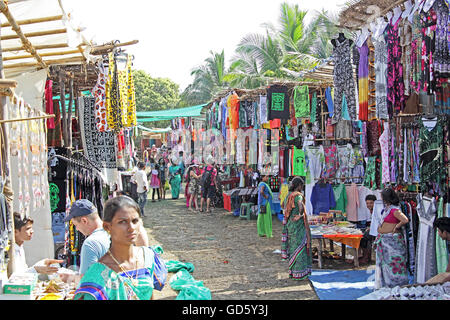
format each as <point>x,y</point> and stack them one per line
<point>142,186</point>
<point>23,231</point>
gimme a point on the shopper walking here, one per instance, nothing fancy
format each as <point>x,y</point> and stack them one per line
<point>142,186</point>
<point>175,179</point>
<point>208,184</point>
<point>126,272</point>
<point>391,259</point>
<point>155,183</point>
<point>264,222</point>
<point>162,175</point>
<point>192,178</point>
<point>296,238</point>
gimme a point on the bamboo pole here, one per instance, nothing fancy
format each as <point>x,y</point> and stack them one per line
<point>48,62</point>
<point>19,34</point>
<point>98,50</point>
<point>40,47</point>
<point>27,119</point>
<point>34,34</point>
<point>48,54</point>
<point>32,21</point>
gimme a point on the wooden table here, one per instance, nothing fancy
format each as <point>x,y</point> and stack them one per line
<point>321,242</point>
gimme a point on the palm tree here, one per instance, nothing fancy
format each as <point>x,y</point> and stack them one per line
<point>209,79</point>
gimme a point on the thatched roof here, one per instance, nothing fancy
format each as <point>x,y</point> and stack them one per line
<point>360,12</point>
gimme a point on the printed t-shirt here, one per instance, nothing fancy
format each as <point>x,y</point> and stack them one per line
<point>278,102</point>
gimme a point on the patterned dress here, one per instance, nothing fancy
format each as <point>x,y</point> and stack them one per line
<point>343,81</point>
<point>381,78</point>
<point>395,84</point>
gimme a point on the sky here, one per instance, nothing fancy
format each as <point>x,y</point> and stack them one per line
<point>176,36</point>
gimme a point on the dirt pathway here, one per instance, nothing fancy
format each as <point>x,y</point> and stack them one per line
<point>229,257</point>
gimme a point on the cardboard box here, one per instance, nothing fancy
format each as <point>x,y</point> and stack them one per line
<point>20,284</point>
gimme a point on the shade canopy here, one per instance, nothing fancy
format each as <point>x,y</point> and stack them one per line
<point>194,111</point>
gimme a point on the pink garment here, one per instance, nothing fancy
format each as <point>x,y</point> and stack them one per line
<point>391,218</point>
<point>384,143</point>
<point>154,182</point>
<point>352,202</point>
<point>49,103</point>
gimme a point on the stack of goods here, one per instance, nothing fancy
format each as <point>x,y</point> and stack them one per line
<point>414,292</point>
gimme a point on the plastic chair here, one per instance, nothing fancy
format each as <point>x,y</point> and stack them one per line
<point>246,211</point>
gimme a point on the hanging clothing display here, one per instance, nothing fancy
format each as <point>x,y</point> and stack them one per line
<point>426,244</point>
<point>343,80</point>
<point>301,102</point>
<point>99,147</point>
<point>278,102</point>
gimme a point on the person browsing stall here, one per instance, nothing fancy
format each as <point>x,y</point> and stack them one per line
<point>23,231</point>
<point>208,184</point>
<point>443,227</point>
<point>391,268</point>
<point>85,218</point>
<point>366,241</point>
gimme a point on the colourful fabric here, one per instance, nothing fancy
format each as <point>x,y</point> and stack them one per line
<point>363,74</point>
<point>442,254</point>
<point>264,221</point>
<point>131,119</point>
<point>395,84</point>
<point>299,163</point>
<point>49,103</point>
<point>381,65</point>
<point>99,92</point>
<point>301,102</point>
<point>352,203</point>
<point>294,242</point>
<point>384,143</point>
<point>102,283</point>
<point>391,267</point>
<point>314,108</point>
<point>322,198</point>
<point>175,181</point>
<point>331,162</point>
<point>340,195</point>
<point>278,102</point>
<point>343,80</point>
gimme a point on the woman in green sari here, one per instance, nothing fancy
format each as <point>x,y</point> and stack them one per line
<point>264,222</point>
<point>296,238</point>
<point>126,272</point>
<point>175,180</point>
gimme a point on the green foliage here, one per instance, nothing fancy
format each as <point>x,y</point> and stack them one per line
<point>280,54</point>
<point>153,94</point>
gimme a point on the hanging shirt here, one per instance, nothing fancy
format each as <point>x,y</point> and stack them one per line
<point>322,198</point>
<point>340,195</point>
<point>278,102</point>
<point>299,163</point>
<point>330,103</point>
<point>301,102</point>
<point>353,203</point>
